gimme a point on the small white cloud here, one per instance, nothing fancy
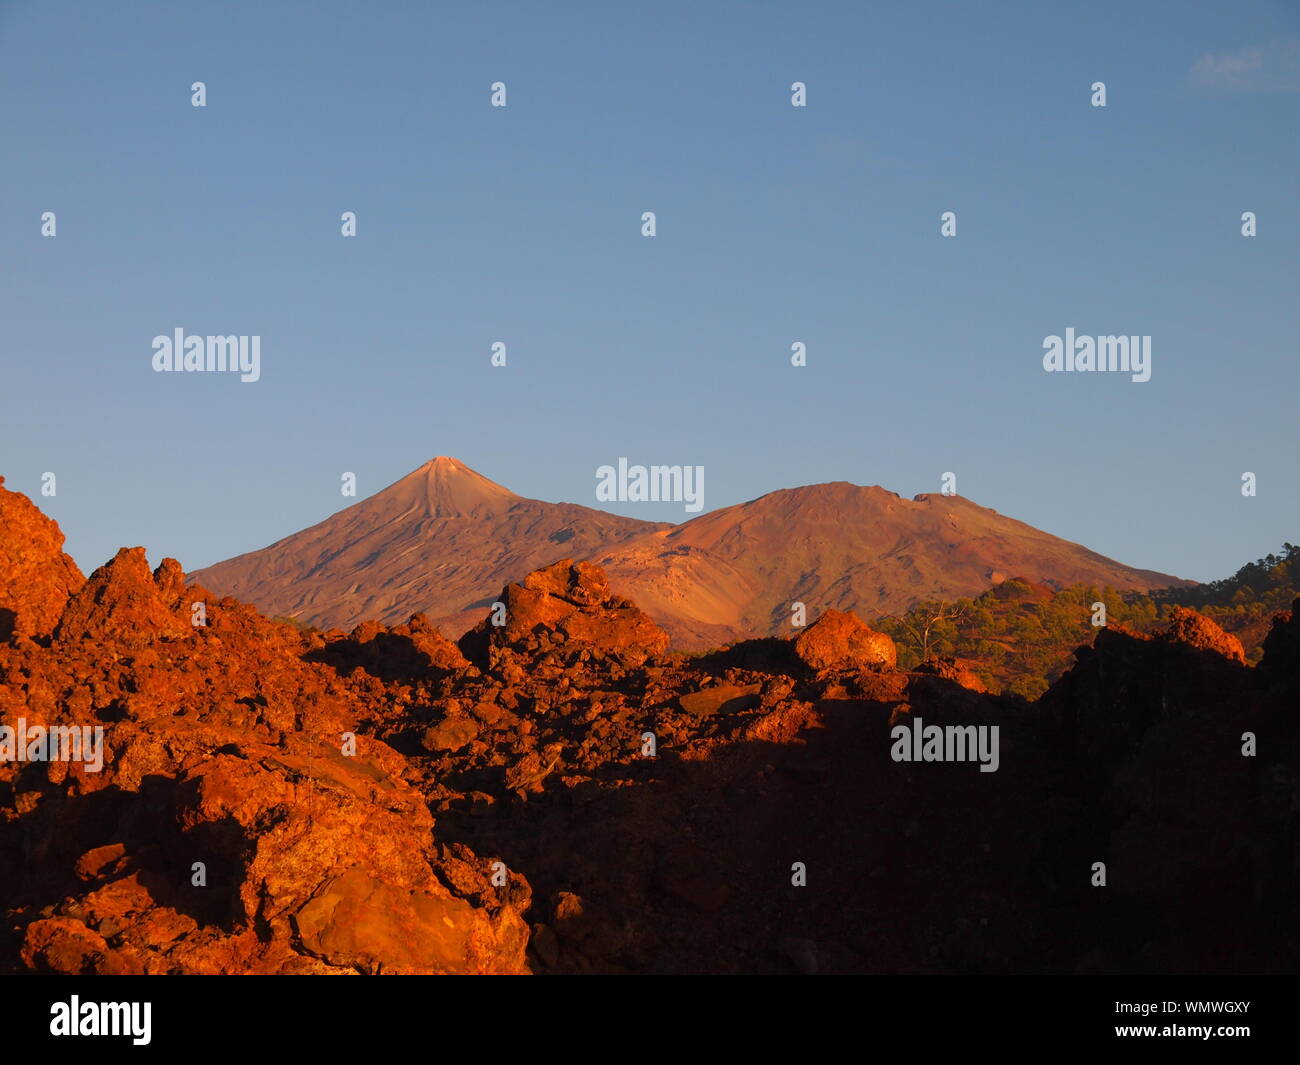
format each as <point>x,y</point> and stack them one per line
<point>1273,67</point>
<point>1209,65</point>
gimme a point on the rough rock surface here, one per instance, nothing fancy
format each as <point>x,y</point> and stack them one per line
<point>123,603</point>
<point>567,607</point>
<point>242,820</point>
<point>840,639</point>
<point>1188,627</point>
<point>953,669</point>
<point>36,577</point>
<point>561,795</point>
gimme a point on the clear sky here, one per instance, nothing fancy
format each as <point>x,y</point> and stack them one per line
<point>775,224</point>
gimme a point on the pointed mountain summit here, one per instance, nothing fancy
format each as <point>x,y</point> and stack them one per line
<point>443,540</point>
<point>447,488</point>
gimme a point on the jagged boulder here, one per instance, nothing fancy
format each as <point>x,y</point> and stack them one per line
<point>308,860</point>
<point>957,670</point>
<point>236,817</point>
<point>567,608</point>
<point>414,649</point>
<point>450,734</point>
<point>650,804</point>
<point>1196,630</point>
<point>36,577</point>
<point>123,603</point>
<point>425,639</point>
<point>727,698</point>
<point>841,640</point>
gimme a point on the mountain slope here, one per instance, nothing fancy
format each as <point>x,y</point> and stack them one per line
<point>738,570</point>
<point>442,540</point>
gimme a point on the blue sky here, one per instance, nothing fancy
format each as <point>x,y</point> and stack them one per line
<point>775,224</point>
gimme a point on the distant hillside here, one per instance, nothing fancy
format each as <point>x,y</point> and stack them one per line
<point>442,540</point>
<point>1020,637</point>
<point>736,571</point>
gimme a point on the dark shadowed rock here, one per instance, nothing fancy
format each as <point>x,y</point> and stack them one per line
<point>956,670</point>
<point>375,804</point>
<point>409,651</point>
<point>1282,644</point>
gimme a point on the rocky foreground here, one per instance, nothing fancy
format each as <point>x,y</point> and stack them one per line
<point>559,794</point>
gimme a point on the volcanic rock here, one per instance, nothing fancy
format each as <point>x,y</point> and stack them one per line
<point>567,608</point>
<point>122,603</point>
<point>408,651</point>
<point>841,640</point>
<point>268,796</point>
<point>36,577</point>
<point>953,669</point>
<point>451,734</point>
<point>241,819</point>
<point>720,697</point>
<point>1196,630</point>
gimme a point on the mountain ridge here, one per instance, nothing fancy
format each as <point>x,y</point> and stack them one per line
<point>443,539</point>
<point>372,559</point>
<point>846,547</point>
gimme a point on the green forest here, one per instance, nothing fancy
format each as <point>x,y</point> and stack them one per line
<point>1019,637</point>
